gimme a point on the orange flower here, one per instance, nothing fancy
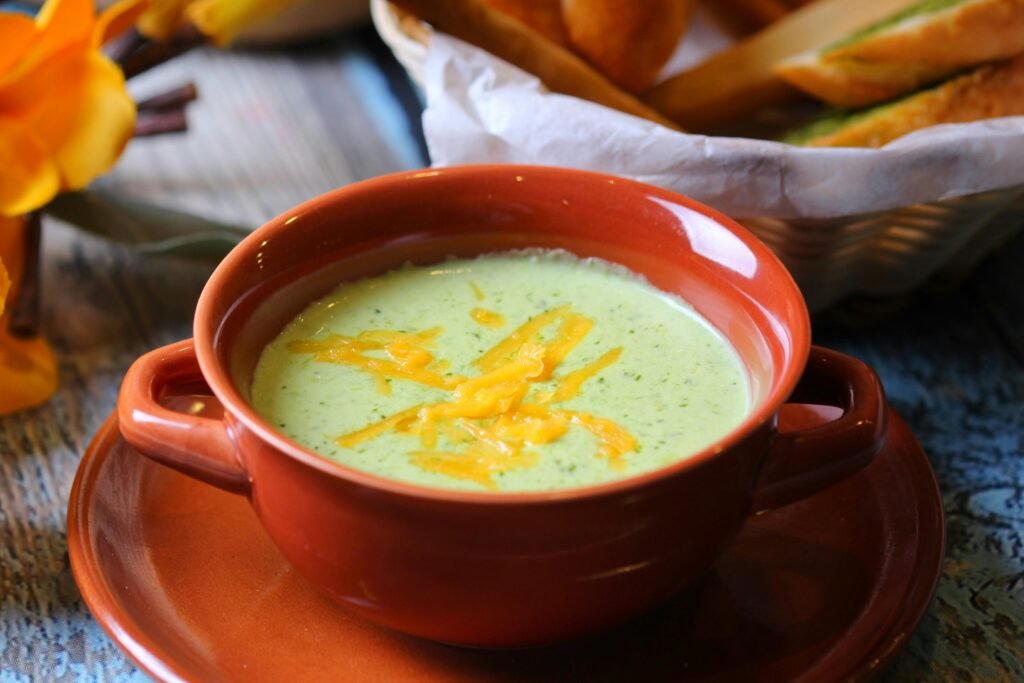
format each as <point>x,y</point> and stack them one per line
<point>28,369</point>
<point>221,20</point>
<point>65,115</point>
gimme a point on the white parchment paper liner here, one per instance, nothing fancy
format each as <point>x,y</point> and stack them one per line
<point>481,109</point>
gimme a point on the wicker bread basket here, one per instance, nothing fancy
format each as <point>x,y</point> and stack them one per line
<point>868,263</point>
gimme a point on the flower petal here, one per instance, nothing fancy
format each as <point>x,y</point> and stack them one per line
<point>223,19</point>
<point>28,177</point>
<point>28,369</point>
<point>61,27</point>
<point>28,372</point>
<point>117,19</point>
<point>86,118</point>
<point>16,34</point>
<point>162,18</point>
<point>64,22</point>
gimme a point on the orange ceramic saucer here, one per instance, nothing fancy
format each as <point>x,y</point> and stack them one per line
<point>183,578</point>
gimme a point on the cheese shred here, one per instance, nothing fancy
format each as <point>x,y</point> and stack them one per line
<point>492,417</point>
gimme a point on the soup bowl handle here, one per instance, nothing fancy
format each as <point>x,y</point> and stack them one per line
<point>803,462</point>
<point>200,447</point>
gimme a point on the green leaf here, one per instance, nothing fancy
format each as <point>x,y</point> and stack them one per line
<point>147,228</point>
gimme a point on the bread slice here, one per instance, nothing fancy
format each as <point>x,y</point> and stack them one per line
<point>628,42</point>
<point>745,17</point>
<point>543,16</point>
<point>737,82</point>
<point>987,92</point>
<point>509,39</point>
<point>923,44</point>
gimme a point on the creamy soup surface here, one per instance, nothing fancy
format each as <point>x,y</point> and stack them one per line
<point>525,371</point>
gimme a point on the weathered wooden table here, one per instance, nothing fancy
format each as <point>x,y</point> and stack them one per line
<point>273,129</point>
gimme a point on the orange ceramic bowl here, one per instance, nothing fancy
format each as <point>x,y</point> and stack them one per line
<point>503,569</point>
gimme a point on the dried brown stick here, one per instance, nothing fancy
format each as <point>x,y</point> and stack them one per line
<point>24,316</point>
<point>130,42</point>
<point>506,38</point>
<point>160,122</point>
<point>154,53</point>
<point>175,98</point>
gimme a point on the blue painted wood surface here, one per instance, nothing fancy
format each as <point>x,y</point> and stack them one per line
<point>952,363</point>
<point>952,366</point>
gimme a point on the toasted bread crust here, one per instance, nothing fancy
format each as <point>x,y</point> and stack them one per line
<point>911,54</point>
<point>852,83</point>
<point>987,92</point>
<point>627,41</point>
<point>744,17</point>
<point>960,37</point>
<point>543,16</point>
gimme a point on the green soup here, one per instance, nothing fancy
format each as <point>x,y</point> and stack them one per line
<point>527,371</point>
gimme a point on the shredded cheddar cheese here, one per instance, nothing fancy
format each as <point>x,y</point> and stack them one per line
<point>526,332</point>
<point>477,292</point>
<point>487,318</point>
<point>570,384</point>
<point>409,359</point>
<point>378,428</point>
<point>492,417</point>
<point>574,328</point>
<point>477,463</point>
<point>615,441</point>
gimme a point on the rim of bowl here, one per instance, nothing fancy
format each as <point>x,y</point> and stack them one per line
<point>233,402</point>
